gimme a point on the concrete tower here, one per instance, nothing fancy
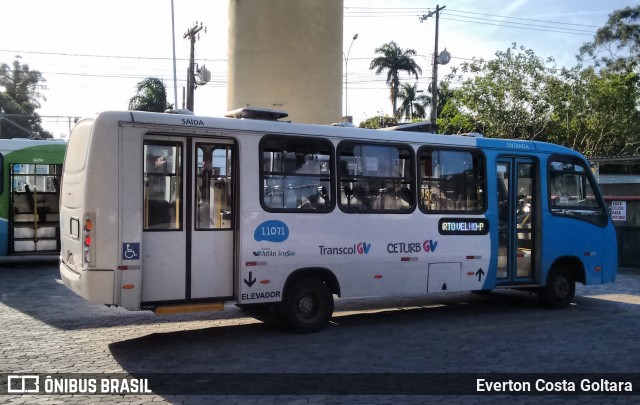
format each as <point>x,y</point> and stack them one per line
<point>286,55</point>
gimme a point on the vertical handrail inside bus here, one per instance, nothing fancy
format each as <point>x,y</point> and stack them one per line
<point>35,216</point>
<point>146,204</point>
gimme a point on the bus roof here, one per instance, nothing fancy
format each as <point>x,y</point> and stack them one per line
<point>288,128</point>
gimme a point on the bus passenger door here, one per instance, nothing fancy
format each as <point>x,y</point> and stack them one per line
<point>212,213</point>
<point>188,226</point>
<point>517,202</point>
<point>164,235</point>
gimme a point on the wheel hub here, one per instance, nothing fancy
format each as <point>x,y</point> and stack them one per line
<point>561,287</point>
<point>306,305</point>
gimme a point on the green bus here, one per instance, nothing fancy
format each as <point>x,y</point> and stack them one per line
<point>30,196</point>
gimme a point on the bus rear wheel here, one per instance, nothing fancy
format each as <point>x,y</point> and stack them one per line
<point>559,291</point>
<point>308,306</point>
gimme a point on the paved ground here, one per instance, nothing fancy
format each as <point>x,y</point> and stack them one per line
<point>44,328</point>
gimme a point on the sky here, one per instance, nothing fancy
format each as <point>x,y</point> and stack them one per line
<point>93,53</point>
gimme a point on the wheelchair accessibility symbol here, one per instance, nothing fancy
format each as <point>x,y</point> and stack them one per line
<point>130,251</point>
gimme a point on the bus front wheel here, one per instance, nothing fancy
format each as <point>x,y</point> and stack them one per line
<point>308,306</point>
<point>559,291</point>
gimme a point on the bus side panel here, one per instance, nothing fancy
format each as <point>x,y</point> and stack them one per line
<point>562,240</point>
<point>610,262</point>
<point>129,241</point>
<point>101,190</point>
<point>370,254</point>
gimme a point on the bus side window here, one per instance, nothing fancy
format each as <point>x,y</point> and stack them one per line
<point>451,180</point>
<point>375,178</point>
<point>296,174</point>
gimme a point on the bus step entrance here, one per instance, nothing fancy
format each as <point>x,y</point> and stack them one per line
<point>187,308</point>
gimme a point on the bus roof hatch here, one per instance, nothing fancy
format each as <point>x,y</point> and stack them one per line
<point>255,113</point>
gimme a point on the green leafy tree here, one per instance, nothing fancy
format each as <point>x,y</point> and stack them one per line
<point>412,104</point>
<point>379,122</point>
<point>151,96</point>
<point>617,44</point>
<point>20,97</point>
<point>394,60</point>
<point>506,96</point>
<point>451,117</point>
<point>595,112</point>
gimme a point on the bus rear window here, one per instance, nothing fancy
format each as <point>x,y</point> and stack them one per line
<point>76,155</point>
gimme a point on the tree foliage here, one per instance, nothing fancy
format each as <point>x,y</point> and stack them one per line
<point>452,118</point>
<point>506,95</point>
<point>379,122</point>
<point>19,98</point>
<point>516,95</point>
<point>151,95</point>
<point>617,44</point>
<point>395,60</point>
<point>595,112</point>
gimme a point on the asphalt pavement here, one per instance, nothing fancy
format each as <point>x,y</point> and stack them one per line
<point>384,342</point>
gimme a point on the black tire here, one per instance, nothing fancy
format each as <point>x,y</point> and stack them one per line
<point>559,291</point>
<point>308,306</point>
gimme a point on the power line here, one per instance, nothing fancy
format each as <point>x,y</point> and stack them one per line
<point>526,19</point>
<point>467,16</point>
<point>412,10</point>
<point>105,56</point>
<point>533,27</point>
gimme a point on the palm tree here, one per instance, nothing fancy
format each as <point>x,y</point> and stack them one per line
<point>394,60</point>
<point>151,96</point>
<point>445,93</point>
<point>412,105</point>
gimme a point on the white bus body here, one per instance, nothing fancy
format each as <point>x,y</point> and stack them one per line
<point>148,222</point>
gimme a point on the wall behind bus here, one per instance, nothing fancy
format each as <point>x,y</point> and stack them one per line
<point>286,55</point>
<point>625,189</point>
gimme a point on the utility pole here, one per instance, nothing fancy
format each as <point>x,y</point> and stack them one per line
<point>434,82</point>
<point>175,80</point>
<point>191,83</point>
<point>346,75</point>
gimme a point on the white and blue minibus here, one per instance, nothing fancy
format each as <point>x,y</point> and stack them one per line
<point>177,213</point>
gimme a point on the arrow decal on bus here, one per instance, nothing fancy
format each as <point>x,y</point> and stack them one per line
<point>479,273</point>
<point>251,280</point>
